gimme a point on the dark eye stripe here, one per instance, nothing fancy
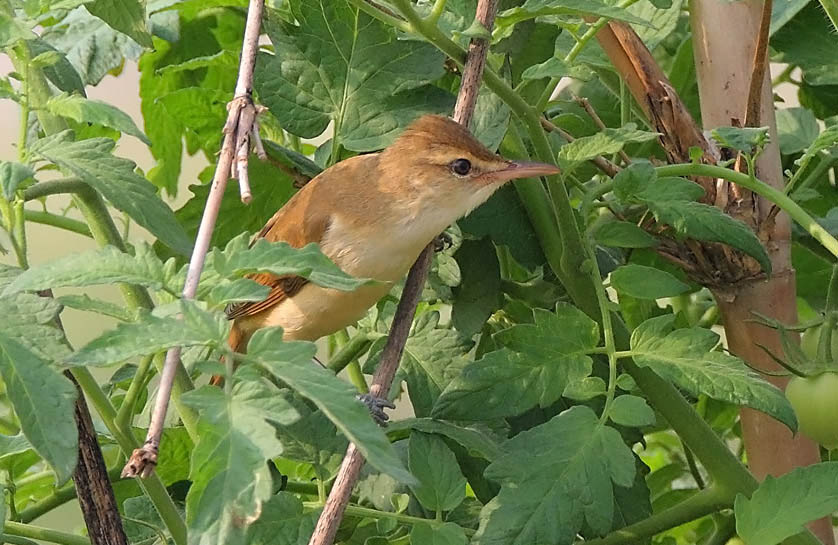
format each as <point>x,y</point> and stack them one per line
<point>461,166</point>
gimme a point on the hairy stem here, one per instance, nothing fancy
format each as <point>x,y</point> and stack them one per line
<point>44,534</point>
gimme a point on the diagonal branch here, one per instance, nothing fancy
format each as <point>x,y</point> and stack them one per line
<point>237,132</point>
<point>330,518</point>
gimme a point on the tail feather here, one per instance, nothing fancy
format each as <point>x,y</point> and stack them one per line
<point>237,341</point>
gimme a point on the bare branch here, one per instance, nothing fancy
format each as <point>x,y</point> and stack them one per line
<point>239,122</point>
<point>329,521</point>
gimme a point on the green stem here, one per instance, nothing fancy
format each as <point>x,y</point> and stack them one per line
<point>15,540</point>
<point>825,161</point>
<point>23,130</point>
<point>763,190</point>
<point>152,485</point>
<point>357,511</point>
<point>354,349</point>
<point>381,15</point>
<point>825,341</point>
<point>54,187</point>
<point>356,376</point>
<point>55,220</point>
<point>436,11</point>
<point>44,534</point>
<point>126,411</point>
<point>698,505</point>
<point>58,498</point>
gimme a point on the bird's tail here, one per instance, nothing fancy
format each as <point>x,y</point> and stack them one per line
<point>238,343</point>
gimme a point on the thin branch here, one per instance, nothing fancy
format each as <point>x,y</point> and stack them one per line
<point>589,109</point>
<point>333,510</point>
<point>144,459</point>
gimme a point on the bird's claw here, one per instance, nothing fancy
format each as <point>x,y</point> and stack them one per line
<point>442,242</point>
<point>376,405</point>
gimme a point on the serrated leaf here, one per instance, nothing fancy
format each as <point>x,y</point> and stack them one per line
<point>283,522</point>
<point>105,308</point>
<point>151,334</point>
<point>797,128</point>
<point>438,534</point>
<point>704,222</point>
<point>744,139</point>
<point>230,477</point>
<point>114,177</point>
<point>537,363</point>
<point>126,16</point>
<point>291,363</point>
<point>605,142</point>
<point>577,8</point>
<point>43,401</point>
<point>623,234</point>
<point>646,282</point>
<point>11,30</point>
<point>474,440</point>
<point>97,112</point>
<point>30,319</point>
<point>106,265</point>
<point>281,259</point>
<point>629,410</point>
<point>824,141</point>
<point>240,289</point>
<point>545,498</point>
<point>11,174</point>
<point>366,65</point>
<point>555,67</point>
<point>478,294</point>
<point>441,483</point>
<point>687,358</point>
<point>781,506</point>
<point>62,74</point>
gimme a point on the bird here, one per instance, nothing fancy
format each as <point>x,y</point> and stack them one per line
<point>372,215</point>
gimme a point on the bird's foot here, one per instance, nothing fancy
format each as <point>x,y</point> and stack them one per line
<point>442,242</point>
<point>376,405</point>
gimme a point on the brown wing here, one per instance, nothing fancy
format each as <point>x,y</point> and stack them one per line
<point>298,223</point>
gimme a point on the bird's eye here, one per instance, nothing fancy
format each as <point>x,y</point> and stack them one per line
<point>461,167</point>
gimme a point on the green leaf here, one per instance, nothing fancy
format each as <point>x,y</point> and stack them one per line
<point>97,112</point>
<point>126,16</point>
<point>629,410</point>
<point>646,282</point>
<point>490,119</point>
<point>43,401</point>
<point>605,142</point>
<point>555,67</point>
<point>290,362</point>
<point>781,506</point>
<point>115,178</point>
<point>577,8</point>
<point>744,139</point>
<point>537,364</point>
<point>553,477</point>
<point>62,74</point>
<point>441,484</point>
<point>31,320</point>
<point>11,30</point>
<point>478,294</point>
<point>11,174</point>
<point>105,265</point>
<point>797,128</point>
<point>281,259</point>
<point>140,508</point>
<point>105,308</point>
<point>230,477</point>
<point>687,358</point>
<point>365,63</point>
<point>808,41</point>
<point>438,534</point>
<point>151,334</point>
<point>705,222</point>
<point>283,522</point>
<point>826,140</point>
<point>475,441</point>
<point>623,234</point>
<point>239,290</point>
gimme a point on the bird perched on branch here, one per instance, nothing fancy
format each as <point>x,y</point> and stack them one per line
<point>372,215</point>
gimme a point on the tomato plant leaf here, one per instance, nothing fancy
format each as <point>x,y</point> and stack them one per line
<point>629,410</point>
<point>153,333</point>
<point>291,363</point>
<point>30,319</point>
<point>781,506</point>
<point>125,16</point>
<point>115,178</point>
<point>230,477</point>
<point>546,498</point>
<point>43,402</point>
<point>687,358</point>
<point>11,175</point>
<point>623,234</point>
<point>441,483</point>
<point>442,534</point>
<point>97,112</point>
<point>474,440</point>
<point>535,366</point>
<point>797,128</point>
<point>283,522</point>
<point>605,142</point>
<point>366,64</point>
<point>478,294</point>
<point>646,282</point>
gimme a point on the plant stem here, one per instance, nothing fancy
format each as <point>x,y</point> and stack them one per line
<point>356,376</point>
<point>55,220</point>
<point>126,410</point>
<point>45,534</point>
<point>354,349</point>
<point>152,485</point>
<point>57,498</point>
<point>762,189</point>
<point>55,187</point>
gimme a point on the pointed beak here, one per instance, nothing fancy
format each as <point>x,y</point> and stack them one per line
<point>520,169</point>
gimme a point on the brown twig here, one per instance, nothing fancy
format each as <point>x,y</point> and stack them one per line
<point>329,521</point>
<point>237,128</point>
<point>589,109</point>
<point>603,164</point>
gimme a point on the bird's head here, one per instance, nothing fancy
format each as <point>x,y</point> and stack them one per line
<point>444,162</point>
